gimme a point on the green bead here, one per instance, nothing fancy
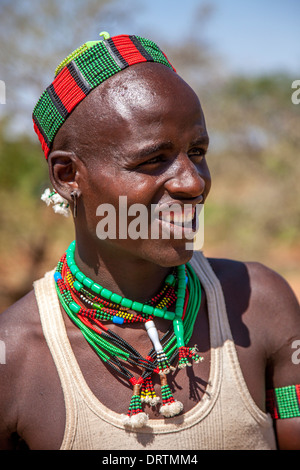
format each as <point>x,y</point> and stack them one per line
<point>169,315</point>
<point>147,309</point>
<point>178,311</point>
<point>77,285</point>
<point>116,298</point>
<point>96,288</point>
<point>87,282</point>
<point>181,294</point>
<point>180,302</point>
<point>79,276</point>
<point>126,303</point>
<point>74,269</point>
<point>74,307</point>
<point>137,306</point>
<point>106,293</point>
<point>181,272</point>
<point>170,280</point>
<point>157,312</point>
<point>72,246</point>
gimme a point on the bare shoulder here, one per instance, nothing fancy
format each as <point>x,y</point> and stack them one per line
<point>270,286</point>
<point>274,299</point>
<point>264,302</point>
<point>262,286</point>
<point>17,323</point>
<point>29,382</point>
<point>22,341</point>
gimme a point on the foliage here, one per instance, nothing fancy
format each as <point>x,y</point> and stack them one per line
<point>30,237</point>
<point>255,140</point>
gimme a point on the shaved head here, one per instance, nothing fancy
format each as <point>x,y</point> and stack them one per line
<point>89,130</point>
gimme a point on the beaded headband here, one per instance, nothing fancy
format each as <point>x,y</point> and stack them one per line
<point>81,72</point>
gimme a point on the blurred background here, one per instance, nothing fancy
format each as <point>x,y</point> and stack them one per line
<point>240,57</point>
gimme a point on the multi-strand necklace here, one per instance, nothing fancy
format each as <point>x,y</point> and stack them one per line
<point>92,307</point>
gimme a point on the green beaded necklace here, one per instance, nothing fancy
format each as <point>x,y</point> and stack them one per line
<point>71,284</point>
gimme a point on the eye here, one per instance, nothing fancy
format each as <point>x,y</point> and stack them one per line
<point>154,160</point>
<point>197,153</point>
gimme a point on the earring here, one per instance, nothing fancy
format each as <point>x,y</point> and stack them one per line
<point>74,196</point>
<point>59,204</point>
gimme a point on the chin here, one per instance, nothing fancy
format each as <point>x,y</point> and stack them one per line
<point>164,253</point>
<point>169,255</point>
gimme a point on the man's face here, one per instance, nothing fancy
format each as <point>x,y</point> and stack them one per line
<point>149,141</point>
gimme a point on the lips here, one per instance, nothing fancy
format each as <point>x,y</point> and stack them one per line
<point>176,221</point>
<point>179,213</point>
<point>179,217</point>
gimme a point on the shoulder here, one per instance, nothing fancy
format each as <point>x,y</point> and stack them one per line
<point>263,285</point>
<point>19,320</point>
<point>16,322</point>
<point>20,336</point>
<point>29,382</point>
<point>263,300</point>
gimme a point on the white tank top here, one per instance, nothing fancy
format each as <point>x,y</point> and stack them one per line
<point>226,418</point>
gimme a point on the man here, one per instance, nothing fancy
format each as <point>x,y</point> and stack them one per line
<point>115,323</point>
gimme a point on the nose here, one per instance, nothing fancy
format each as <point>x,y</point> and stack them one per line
<point>188,180</point>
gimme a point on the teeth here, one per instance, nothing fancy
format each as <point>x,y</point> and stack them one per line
<point>166,217</point>
<point>178,217</point>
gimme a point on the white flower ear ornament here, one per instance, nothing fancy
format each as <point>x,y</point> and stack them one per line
<point>60,205</point>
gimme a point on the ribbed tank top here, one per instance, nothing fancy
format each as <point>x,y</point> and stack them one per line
<point>226,418</point>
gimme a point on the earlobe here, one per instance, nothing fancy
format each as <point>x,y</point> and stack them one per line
<point>63,167</point>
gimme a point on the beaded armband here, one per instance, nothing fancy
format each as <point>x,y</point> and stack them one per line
<point>284,402</point>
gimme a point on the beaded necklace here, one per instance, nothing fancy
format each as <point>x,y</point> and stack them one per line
<point>88,305</point>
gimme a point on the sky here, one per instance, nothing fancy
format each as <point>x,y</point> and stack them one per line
<point>253,36</point>
<point>266,37</point>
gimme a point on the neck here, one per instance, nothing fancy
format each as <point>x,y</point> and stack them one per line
<point>131,277</point>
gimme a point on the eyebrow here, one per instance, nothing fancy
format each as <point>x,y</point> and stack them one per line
<point>203,140</point>
<point>144,152</point>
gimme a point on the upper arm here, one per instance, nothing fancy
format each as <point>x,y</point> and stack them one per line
<point>281,313</point>
<point>8,417</point>
<point>14,336</point>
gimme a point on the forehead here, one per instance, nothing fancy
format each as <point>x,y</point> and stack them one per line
<point>145,87</point>
<point>143,102</point>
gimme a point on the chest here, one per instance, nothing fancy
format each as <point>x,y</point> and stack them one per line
<point>187,385</point>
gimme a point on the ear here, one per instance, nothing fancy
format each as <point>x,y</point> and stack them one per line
<point>63,171</point>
